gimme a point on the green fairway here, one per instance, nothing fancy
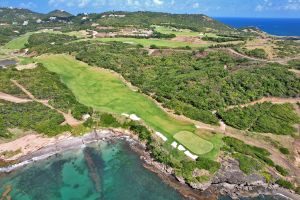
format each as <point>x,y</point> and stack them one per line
<point>194,143</point>
<point>104,91</point>
<point>178,32</point>
<point>18,43</point>
<point>149,42</point>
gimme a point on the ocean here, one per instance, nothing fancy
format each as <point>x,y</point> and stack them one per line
<point>274,26</point>
<point>102,171</point>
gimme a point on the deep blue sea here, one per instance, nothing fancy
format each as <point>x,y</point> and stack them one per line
<point>280,27</point>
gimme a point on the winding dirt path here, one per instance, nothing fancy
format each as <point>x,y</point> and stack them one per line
<point>274,100</point>
<point>13,99</point>
<point>283,61</point>
<point>69,119</point>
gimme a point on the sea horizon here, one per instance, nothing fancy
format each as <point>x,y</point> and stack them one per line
<point>273,26</point>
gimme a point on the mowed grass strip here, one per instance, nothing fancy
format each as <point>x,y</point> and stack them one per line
<point>19,42</point>
<point>178,32</point>
<point>104,91</point>
<point>156,42</point>
<point>193,142</point>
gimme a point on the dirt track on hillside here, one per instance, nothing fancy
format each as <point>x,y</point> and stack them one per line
<point>274,100</point>
<point>69,119</point>
<point>13,99</point>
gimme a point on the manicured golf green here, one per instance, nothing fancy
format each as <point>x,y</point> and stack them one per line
<point>18,43</point>
<point>104,91</point>
<point>194,143</point>
<point>149,42</point>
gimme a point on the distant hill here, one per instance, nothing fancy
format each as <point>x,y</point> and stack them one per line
<point>196,22</point>
<point>9,15</point>
<point>59,13</point>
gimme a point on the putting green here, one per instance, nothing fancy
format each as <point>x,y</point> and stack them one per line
<point>193,142</point>
<point>104,91</point>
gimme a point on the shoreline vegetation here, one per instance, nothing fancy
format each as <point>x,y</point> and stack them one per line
<point>212,191</point>
<point>190,95</point>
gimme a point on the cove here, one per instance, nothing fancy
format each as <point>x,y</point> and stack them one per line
<point>102,170</point>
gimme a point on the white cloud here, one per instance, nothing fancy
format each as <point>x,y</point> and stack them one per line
<point>158,2</point>
<point>292,5</point>
<point>196,5</point>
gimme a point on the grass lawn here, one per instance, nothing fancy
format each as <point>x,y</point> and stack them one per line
<point>157,42</point>
<point>193,142</point>
<point>215,139</point>
<point>104,91</point>
<point>18,43</point>
<point>180,32</point>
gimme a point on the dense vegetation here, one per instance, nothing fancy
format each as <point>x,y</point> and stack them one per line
<point>189,85</point>
<point>251,158</point>
<point>43,85</point>
<point>257,53</point>
<point>295,64</point>
<point>194,22</point>
<point>30,116</point>
<point>265,117</point>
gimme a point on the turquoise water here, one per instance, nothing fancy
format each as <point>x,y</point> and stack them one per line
<point>108,171</point>
<point>101,171</point>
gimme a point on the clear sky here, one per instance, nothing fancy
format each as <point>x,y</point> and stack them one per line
<point>215,8</point>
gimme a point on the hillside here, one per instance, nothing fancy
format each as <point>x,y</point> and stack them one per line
<point>59,13</point>
<point>9,15</point>
<point>195,22</point>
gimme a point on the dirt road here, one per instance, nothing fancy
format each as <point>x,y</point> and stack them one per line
<point>69,119</point>
<point>13,99</point>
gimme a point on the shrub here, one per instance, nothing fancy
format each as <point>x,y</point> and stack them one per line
<point>207,164</point>
<point>108,120</point>
<point>285,184</point>
<point>153,46</point>
<point>143,133</point>
<point>281,170</point>
<point>284,150</point>
<point>248,164</point>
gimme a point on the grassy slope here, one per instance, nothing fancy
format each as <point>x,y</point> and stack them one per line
<point>104,91</point>
<point>182,32</point>
<point>157,42</point>
<point>18,43</point>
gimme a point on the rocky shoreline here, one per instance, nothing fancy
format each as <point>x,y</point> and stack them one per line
<point>229,180</point>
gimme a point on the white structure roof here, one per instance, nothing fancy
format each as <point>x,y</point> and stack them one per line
<point>174,144</point>
<point>134,117</point>
<point>181,148</point>
<point>189,154</point>
<point>164,138</point>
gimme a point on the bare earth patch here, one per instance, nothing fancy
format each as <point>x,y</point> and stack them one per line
<point>13,99</point>
<point>29,66</point>
<point>274,100</point>
<point>28,144</point>
<point>193,40</point>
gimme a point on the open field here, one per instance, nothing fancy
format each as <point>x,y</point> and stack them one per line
<point>157,42</point>
<point>18,43</point>
<point>193,142</point>
<point>103,91</point>
<point>178,32</point>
